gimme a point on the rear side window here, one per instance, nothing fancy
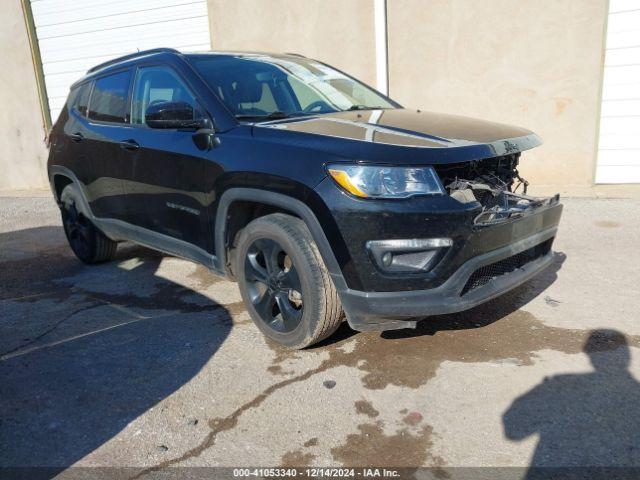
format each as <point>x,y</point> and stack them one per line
<point>83,99</point>
<point>72,99</point>
<point>109,98</point>
<point>79,99</point>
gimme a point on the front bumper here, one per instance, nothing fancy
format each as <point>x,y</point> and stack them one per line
<point>375,300</point>
<point>390,310</point>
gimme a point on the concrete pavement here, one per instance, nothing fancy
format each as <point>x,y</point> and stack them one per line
<point>150,361</point>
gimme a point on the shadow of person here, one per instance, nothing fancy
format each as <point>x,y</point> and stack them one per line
<point>588,424</point>
<point>106,343</point>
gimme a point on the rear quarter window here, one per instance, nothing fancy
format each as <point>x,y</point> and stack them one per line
<point>79,98</point>
<point>83,99</point>
<point>108,101</point>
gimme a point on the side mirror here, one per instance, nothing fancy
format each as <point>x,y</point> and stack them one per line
<point>170,115</point>
<point>205,137</point>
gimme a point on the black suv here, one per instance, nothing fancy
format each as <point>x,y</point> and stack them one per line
<point>320,196</point>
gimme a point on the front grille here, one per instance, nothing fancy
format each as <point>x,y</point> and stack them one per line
<point>486,274</point>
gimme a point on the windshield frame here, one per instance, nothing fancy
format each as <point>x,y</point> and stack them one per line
<point>276,115</point>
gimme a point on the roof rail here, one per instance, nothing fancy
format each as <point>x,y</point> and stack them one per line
<point>130,56</point>
<point>293,54</point>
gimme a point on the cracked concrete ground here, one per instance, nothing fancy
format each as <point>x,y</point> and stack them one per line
<point>149,361</point>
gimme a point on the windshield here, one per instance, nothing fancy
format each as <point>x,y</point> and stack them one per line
<point>264,87</point>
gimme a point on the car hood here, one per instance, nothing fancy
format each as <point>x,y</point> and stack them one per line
<point>401,135</point>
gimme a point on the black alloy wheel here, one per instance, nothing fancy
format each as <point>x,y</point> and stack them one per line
<point>284,283</point>
<point>273,285</point>
<point>78,230</point>
<point>88,243</point>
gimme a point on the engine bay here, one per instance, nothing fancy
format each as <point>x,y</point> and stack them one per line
<point>495,184</point>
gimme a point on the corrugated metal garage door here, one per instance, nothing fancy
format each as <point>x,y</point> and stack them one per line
<point>74,35</point>
<point>619,146</point>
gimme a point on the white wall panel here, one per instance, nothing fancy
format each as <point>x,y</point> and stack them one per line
<point>76,35</point>
<point>622,74</point>
<point>620,108</point>
<point>622,5</point>
<point>630,174</point>
<point>622,158</point>
<point>621,91</point>
<point>619,143</point>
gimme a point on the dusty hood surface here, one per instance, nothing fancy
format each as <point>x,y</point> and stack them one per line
<point>422,135</point>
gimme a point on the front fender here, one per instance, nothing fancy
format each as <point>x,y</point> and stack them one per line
<point>286,202</point>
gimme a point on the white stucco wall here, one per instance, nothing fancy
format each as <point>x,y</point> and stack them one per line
<point>23,154</point>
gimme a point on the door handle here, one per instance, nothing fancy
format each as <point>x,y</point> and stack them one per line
<point>76,137</point>
<point>129,144</point>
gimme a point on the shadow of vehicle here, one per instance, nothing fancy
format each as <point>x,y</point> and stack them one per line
<point>589,423</point>
<point>85,350</point>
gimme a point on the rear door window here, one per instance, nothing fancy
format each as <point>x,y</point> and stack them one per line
<point>109,98</point>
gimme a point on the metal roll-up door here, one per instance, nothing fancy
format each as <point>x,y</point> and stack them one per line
<point>619,143</point>
<point>74,35</point>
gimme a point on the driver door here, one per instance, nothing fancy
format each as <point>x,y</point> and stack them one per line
<point>166,194</point>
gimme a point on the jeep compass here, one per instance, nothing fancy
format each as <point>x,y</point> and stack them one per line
<point>321,197</point>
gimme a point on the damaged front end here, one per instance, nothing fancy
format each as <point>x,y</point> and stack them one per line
<point>495,185</point>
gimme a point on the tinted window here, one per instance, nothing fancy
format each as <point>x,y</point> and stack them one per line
<point>109,98</point>
<point>83,99</point>
<point>155,85</point>
<point>79,98</point>
<point>72,99</point>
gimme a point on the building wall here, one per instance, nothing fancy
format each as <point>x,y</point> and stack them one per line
<point>23,154</point>
<point>537,64</point>
<point>337,32</point>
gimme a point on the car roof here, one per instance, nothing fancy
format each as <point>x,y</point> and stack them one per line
<point>238,53</point>
<point>132,58</point>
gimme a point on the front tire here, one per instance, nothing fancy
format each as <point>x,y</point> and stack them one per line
<point>87,242</point>
<point>284,282</point>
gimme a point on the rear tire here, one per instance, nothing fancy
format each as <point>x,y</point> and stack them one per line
<point>87,242</point>
<point>284,282</point>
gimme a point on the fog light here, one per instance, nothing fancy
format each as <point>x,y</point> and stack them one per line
<point>408,256</point>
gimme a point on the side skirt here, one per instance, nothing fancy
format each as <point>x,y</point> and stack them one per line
<point>118,230</point>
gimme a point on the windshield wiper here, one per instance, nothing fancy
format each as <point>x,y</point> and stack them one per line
<point>362,107</point>
<point>270,116</point>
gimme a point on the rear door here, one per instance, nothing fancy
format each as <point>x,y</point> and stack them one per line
<point>71,149</point>
<point>167,192</point>
<point>105,145</point>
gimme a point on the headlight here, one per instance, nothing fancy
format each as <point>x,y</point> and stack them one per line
<point>375,181</point>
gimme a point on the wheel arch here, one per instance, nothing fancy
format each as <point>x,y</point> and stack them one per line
<point>58,182</point>
<point>273,202</point>
<point>59,178</point>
